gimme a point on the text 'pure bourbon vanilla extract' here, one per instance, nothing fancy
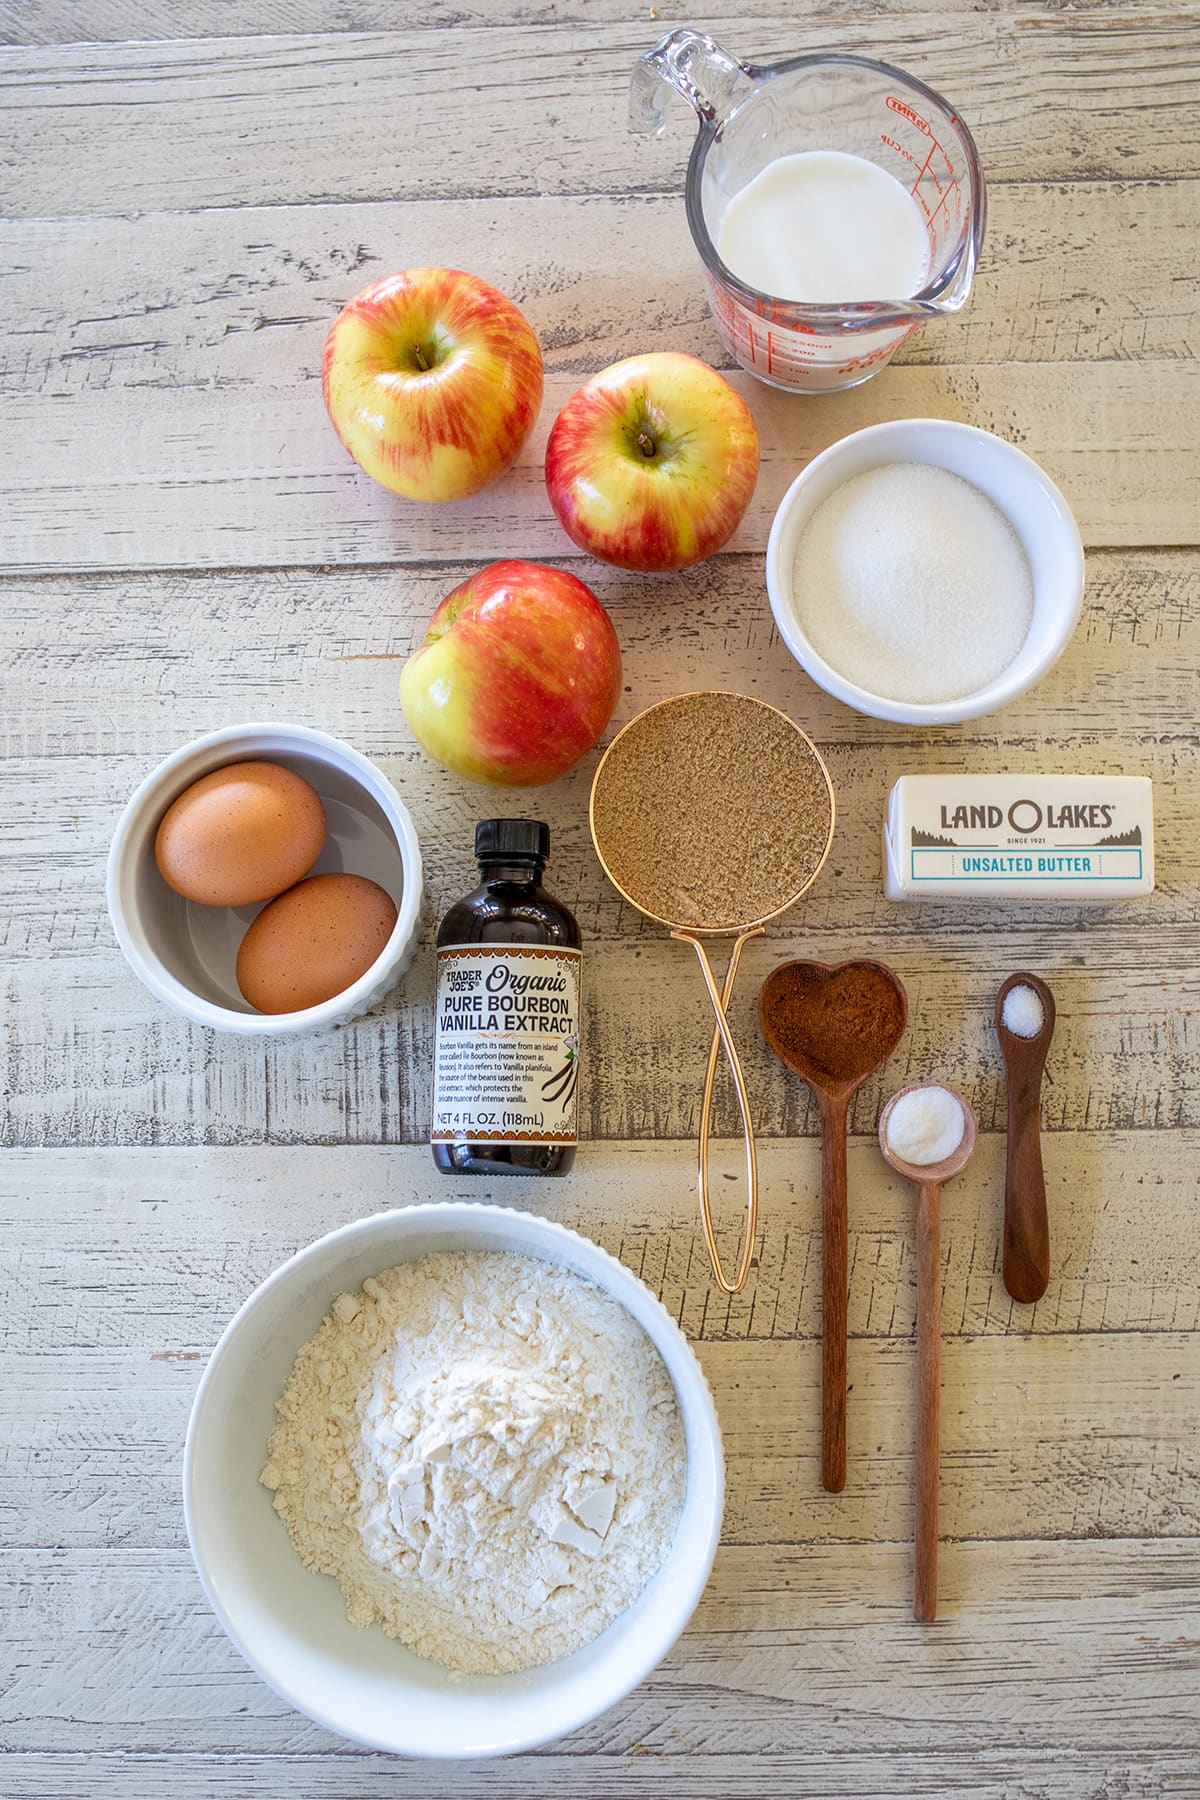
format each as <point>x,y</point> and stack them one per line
<point>506,1045</point>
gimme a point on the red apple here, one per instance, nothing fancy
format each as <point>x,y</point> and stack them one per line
<point>652,463</point>
<point>433,381</point>
<point>517,677</point>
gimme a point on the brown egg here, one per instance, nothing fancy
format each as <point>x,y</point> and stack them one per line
<point>241,834</point>
<point>314,942</point>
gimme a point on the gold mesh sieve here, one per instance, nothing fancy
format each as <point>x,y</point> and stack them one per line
<point>689,815</point>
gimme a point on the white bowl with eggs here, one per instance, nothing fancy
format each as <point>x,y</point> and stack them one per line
<point>185,952</point>
<point>1025,497</point>
<point>290,1624</point>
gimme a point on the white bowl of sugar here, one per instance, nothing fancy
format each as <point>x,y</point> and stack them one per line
<point>925,571</point>
<point>290,1622</point>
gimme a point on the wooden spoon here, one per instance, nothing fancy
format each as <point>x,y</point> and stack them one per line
<point>833,1025</point>
<point>1026,1225</point>
<point>927,1178</point>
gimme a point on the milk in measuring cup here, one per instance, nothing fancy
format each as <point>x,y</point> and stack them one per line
<point>824,226</point>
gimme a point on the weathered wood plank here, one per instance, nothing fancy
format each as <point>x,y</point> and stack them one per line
<point>92,1441</point>
<point>1083,1646</point>
<point>251,120</point>
<point>94,1404</point>
<point>172,655</point>
<point>253,476</point>
<point>1125,1237</point>
<point>235,298</point>
<point>113,672</point>
<point>1024,1453</point>
<point>28,22</point>
<point>117,670</point>
<point>639,1771</point>
<point>91,1057</point>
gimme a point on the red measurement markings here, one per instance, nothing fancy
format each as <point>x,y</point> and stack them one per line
<point>952,189</point>
<point>924,166</point>
<point>874,356</point>
<point>892,143</point>
<point>906,111</point>
<point>729,316</point>
<point>719,300</point>
<point>784,352</point>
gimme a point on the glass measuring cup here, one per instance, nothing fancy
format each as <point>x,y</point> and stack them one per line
<point>751,115</point>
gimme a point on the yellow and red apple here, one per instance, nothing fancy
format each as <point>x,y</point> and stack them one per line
<point>517,677</point>
<point>433,380</point>
<point>651,465</point>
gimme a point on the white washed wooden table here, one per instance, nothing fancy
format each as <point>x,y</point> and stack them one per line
<point>185,545</point>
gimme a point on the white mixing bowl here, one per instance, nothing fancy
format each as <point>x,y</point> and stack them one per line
<point>291,1625</point>
<point>1013,482</point>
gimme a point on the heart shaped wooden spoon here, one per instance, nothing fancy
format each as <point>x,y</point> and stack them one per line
<point>833,1025</point>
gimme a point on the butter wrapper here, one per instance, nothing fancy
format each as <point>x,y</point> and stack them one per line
<point>1019,837</point>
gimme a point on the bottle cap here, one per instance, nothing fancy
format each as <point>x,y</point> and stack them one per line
<point>519,838</point>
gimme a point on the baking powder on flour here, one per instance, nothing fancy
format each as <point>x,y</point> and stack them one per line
<point>486,1451</point>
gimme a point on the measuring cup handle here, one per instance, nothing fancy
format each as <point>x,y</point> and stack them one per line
<point>694,65</point>
<point>723,1039</point>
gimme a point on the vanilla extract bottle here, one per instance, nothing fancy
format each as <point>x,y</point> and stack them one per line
<point>506,1035</point>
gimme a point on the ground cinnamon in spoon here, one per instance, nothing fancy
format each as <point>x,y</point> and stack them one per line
<point>844,1026</point>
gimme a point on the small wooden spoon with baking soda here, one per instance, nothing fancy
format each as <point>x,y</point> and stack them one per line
<point>927,1177</point>
<point>833,1025</point>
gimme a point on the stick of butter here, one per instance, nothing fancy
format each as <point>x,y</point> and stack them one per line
<point>1006,837</point>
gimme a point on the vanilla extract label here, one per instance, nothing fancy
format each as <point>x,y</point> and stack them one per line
<point>506,1054</point>
<point>1082,837</point>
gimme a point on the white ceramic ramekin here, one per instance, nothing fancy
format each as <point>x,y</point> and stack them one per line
<point>185,953</point>
<point>290,1624</point>
<point>1025,495</point>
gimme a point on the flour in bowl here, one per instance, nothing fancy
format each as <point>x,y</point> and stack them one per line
<point>486,1451</point>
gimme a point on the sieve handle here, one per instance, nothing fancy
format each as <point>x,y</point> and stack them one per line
<point>723,1039</point>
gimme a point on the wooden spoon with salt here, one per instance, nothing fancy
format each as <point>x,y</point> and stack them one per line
<point>1026,1221</point>
<point>833,1025</point>
<point>927,1178</point>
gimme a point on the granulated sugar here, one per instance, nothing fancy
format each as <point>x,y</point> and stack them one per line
<point>1023,1012</point>
<point>912,584</point>
<point>486,1451</point>
<point>712,811</point>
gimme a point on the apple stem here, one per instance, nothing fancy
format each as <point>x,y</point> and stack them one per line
<point>419,354</point>
<point>646,443</point>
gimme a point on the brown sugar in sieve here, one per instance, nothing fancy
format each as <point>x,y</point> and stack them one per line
<point>711,813</point>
